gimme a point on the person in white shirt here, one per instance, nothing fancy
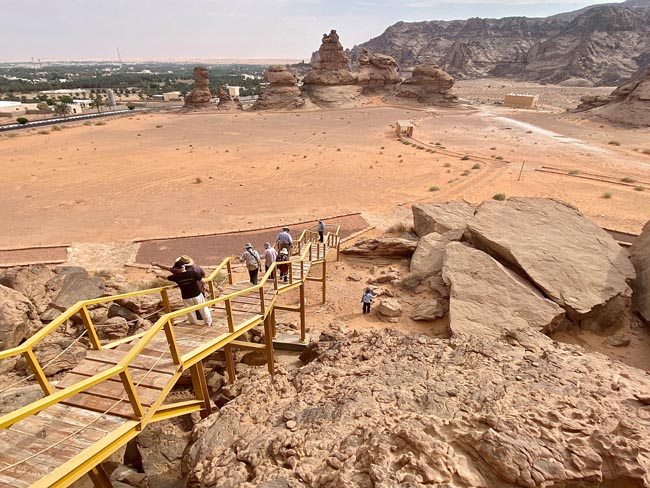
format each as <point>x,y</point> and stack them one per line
<point>253,262</point>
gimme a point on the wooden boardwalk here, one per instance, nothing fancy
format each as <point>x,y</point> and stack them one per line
<point>110,396</point>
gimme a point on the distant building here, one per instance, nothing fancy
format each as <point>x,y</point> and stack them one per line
<point>404,127</point>
<point>234,90</point>
<point>520,100</point>
<point>12,109</point>
<point>73,92</point>
<point>171,96</point>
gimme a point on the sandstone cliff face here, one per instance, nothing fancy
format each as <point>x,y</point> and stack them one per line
<point>600,44</point>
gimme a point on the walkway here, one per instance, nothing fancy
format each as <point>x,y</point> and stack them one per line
<point>122,386</point>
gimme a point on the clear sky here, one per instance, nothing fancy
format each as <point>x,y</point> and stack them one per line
<point>210,29</point>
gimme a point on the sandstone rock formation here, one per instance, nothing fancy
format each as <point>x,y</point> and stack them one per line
<point>226,102</point>
<point>384,409</point>
<point>330,83</point>
<point>333,65</point>
<point>441,217</point>
<point>200,94</point>
<point>428,258</point>
<point>573,261</point>
<point>282,92</point>
<point>18,318</point>
<point>601,43</point>
<point>487,299</point>
<point>428,84</point>
<point>640,257</point>
<point>389,247</point>
<point>629,103</point>
<point>377,72</point>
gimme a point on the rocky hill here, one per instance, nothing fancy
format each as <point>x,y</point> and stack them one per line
<point>599,43</point>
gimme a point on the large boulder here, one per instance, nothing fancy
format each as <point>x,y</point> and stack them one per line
<point>441,217</point>
<point>428,84</point>
<point>384,247</point>
<point>76,287</point>
<point>487,299</point>
<point>31,281</point>
<point>377,72</point>
<point>640,257</point>
<point>282,93</point>
<point>428,257</point>
<point>226,102</point>
<point>18,318</point>
<point>570,259</point>
<point>383,409</point>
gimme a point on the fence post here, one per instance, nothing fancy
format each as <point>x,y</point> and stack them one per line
<point>171,341</point>
<point>88,324</point>
<point>132,393</point>
<point>165,299</point>
<point>31,360</point>
<point>229,268</point>
<point>303,336</point>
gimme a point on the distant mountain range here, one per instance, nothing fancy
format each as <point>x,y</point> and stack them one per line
<point>604,44</point>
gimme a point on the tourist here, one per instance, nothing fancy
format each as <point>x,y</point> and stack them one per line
<point>283,265</point>
<point>367,299</point>
<point>253,262</point>
<point>270,255</point>
<point>189,264</point>
<point>188,282</point>
<point>284,240</point>
<point>321,230</point>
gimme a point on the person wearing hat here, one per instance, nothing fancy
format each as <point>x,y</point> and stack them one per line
<point>284,240</point>
<point>190,265</point>
<point>270,255</point>
<point>253,262</point>
<point>283,264</point>
<point>188,282</point>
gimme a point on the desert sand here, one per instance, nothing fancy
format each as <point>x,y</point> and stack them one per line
<point>163,174</point>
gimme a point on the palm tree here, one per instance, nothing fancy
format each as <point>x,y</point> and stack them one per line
<point>97,102</point>
<point>62,109</point>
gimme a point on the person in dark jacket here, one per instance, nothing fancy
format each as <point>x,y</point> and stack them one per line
<point>188,282</point>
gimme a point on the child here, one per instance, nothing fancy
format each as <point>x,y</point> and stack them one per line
<point>283,264</point>
<point>367,299</point>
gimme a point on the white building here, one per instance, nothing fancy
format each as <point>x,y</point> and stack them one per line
<point>234,91</point>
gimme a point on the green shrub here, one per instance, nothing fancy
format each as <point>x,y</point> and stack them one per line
<point>574,172</point>
<point>446,165</point>
<point>22,120</point>
<point>614,143</point>
<point>465,158</point>
<point>56,128</point>
<point>130,106</point>
<point>627,179</point>
<point>43,132</point>
<point>434,188</point>
<point>607,195</point>
<point>639,188</point>
<point>476,166</point>
<point>499,197</point>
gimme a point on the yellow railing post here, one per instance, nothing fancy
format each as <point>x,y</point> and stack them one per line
<point>229,268</point>
<point>165,298</point>
<point>290,272</point>
<point>90,328</point>
<point>171,341</point>
<point>324,280</point>
<point>303,335</point>
<point>212,292</point>
<point>262,304</point>
<point>31,360</point>
<point>132,393</point>
<point>268,338</point>
<point>201,388</point>
<point>99,477</point>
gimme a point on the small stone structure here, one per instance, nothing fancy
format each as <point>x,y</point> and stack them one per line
<point>200,94</point>
<point>521,100</point>
<point>404,127</point>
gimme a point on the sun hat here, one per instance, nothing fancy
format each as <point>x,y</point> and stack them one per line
<point>284,251</point>
<point>185,260</point>
<point>248,245</point>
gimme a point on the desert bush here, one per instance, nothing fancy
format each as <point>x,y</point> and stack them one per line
<point>43,132</point>
<point>646,152</point>
<point>614,143</point>
<point>130,106</point>
<point>56,128</point>
<point>607,195</point>
<point>627,179</point>
<point>499,197</point>
<point>399,228</point>
<point>465,173</point>
<point>500,158</point>
<point>574,172</point>
<point>198,180</point>
<point>465,158</point>
<point>446,165</point>
<point>88,122</point>
<point>22,120</point>
<point>639,188</point>
<point>476,166</point>
<point>100,123</point>
<point>159,127</point>
<point>434,188</point>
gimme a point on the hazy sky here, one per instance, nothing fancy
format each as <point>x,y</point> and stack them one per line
<point>163,29</point>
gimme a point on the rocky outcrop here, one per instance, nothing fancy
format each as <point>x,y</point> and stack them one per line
<point>31,281</point>
<point>629,103</point>
<point>18,318</point>
<point>385,247</point>
<point>389,309</point>
<point>282,93</point>
<point>430,310</point>
<point>602,44</point>
<point>487,299</point>
<point>570,259</point>
<point>428,84</point>
<point>377,72</point>
<point>428,258</point>
<point>200,94</point>
<point>640,257</point>
<point>384,409</point>
<point>76,286</point>
<point>441,217</point>
<point>332,66</point>
<point>226,102</point>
